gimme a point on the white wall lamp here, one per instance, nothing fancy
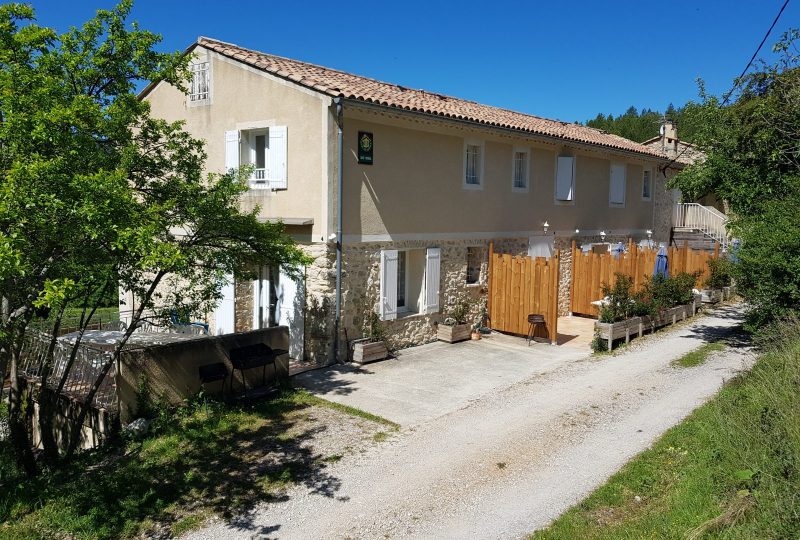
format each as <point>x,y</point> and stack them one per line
<point>602,236</point>
<point>577,231</point>
<point>649,234</point>
<point>545,226</point>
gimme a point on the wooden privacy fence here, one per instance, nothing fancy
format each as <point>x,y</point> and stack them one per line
<point>521,286</point>
<point>590,270</point>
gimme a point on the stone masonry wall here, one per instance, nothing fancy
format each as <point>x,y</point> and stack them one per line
<point>361,287</point>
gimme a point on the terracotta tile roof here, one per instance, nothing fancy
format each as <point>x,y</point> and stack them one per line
<point>340,84</point>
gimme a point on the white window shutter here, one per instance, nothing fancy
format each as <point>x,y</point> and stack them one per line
<point>231,150</point>
<point>276,158</point>
<point>433,262</point>
<point>616,193</point>
<point>565,178</point>
<point>388,299</point>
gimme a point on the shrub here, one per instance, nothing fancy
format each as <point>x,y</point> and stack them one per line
<point>458,311</point>
<point>598,343</point>
<point>620,299</point>
<point>667,292</point>
<point>719,273</point>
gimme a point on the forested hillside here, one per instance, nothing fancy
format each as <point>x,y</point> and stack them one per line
<point>642,125</point>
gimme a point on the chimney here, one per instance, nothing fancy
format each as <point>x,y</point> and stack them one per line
<point>669,137</point>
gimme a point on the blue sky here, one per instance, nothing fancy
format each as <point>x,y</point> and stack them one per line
<point>567,60</point>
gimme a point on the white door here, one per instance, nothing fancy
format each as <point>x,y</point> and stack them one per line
<point>290,310</point>
<point>224,312</point>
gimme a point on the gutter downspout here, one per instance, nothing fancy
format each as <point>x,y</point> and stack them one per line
<point>340,122</point>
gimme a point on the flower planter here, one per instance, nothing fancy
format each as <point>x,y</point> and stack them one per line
<point>712,296</point>
<point>369,351</point>
<point>637,325</point>
<point>453,334</point>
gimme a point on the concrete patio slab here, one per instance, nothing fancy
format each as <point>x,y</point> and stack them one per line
<point>432,380</point>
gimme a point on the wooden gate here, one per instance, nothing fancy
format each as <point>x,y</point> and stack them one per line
<point>590,270</point>
<point>520,286</point>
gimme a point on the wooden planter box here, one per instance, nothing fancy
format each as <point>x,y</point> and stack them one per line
<point>637,325</point>
<point>712,296</point>
<point>369,351</point>
<point>452,334</point>
<point>728,292</point>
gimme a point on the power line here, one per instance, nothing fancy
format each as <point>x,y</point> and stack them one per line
<point>738,80</point>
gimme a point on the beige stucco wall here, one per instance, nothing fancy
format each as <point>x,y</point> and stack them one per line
<point>415,187</point>
<point>241,96</point>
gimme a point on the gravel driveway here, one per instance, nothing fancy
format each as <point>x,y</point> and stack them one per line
<point>512,461</point>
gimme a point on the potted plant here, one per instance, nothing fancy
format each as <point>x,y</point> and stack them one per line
<point>455,327</point>
<point>372,346</point>
<point>478,326</point>
<point>718,282</point>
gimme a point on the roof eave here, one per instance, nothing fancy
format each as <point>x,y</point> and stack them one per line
<point>506,129</point>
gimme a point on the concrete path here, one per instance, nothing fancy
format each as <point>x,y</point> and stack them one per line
<point>513,460</point>
<point>432,380</point>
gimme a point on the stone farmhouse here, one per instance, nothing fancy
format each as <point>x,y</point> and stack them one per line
<point>406,187</point>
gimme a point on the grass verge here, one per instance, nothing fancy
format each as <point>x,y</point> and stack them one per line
<point>699,355</point>
<point>730,470</point>
<point>201,460</point>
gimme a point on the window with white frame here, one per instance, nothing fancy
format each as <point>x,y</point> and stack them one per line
<point>199,88</point>
<point>473,164</point>
<point>265,150</point>
<point>616,188</point>
<point>519,170</point>
<point>409,282</point>
<point>647,187</point>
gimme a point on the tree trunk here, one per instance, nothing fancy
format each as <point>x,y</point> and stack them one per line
<point>86,406</point>
<point>47,399</point>
<point>17,424</point>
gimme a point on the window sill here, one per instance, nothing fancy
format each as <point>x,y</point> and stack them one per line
<point>473,285</point>
<point>472,187</point>
<point>410,315</point>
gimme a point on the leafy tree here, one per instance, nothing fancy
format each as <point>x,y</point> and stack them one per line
<point>753,162</point>
<point>95,195</point>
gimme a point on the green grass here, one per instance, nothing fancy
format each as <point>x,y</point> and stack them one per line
<point>731,470</point>
<point>699,355</point>
<point>201,460</point>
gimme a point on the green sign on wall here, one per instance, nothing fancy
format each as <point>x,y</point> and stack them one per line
<point>365,144</point>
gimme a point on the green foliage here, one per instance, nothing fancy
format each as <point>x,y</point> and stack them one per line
<point>201,459</point>
<point>699,355</point>
<point>458,310</point>
<point>642,125</point>
<point>599,344</point>
<point>753,164</point>
<point>730,470</point>
<point>669,291</point>
<point>720,271</point>
<point>657,293</point>
<point>96,195</point>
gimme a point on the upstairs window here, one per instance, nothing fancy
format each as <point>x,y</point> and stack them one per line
<point>616,189</point>
<point>473,165</point>
<point>519,168</point>
<point>199,87</point>
<point>565,178</point>
<point>646,186</point>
